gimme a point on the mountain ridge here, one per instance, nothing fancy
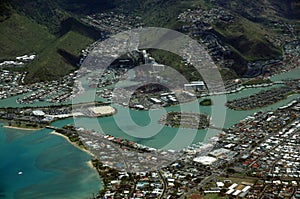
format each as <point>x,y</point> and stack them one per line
<point>61,32</point>
<point>61,19</point>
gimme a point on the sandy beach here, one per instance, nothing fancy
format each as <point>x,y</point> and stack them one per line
<point>23,129</point>
<point>84,150</point>
<point>90,164</point>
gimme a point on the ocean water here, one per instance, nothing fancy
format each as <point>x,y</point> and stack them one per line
<point>129,124</point>
<point>52,168</point>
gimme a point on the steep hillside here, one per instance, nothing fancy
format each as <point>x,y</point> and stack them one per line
<point>246,35</point>
<point>248,39</point>
<point>52,13</point>
<point>54,35</point>
<point>258,9</point>
<point>20,35</point>
<point>52,29</point>
<point>59,58</point>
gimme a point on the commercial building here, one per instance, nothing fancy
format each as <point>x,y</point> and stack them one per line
<point>205,160</point>
<point>195,85</point>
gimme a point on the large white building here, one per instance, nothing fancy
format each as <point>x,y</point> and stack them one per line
<point>195,85</point>
<point>205,160</point>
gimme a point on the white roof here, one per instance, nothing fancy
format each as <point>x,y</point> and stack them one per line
<point>230,191</point>
<point>205,160</point>
<point>246,188</point>
<point>237,192</point>
<point>234,185</point>
<point>220,184</point>
<point>219,152</point>
<point>38,113</point>
<point>139,106</point>
<point>155,100</point>
<point>198,83</point>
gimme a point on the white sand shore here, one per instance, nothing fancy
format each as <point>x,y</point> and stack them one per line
<point>74,144</point>
<point>90,164</point>
<point>24,129</point>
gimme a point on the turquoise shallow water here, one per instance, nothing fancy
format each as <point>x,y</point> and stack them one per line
<point>52,168</point>
<point>158,136</point>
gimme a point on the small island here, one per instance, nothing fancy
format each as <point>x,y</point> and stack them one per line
<point>185,120</point>
<point>206,102</point>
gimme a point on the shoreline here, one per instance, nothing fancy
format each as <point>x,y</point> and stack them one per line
<point>75,145</point>
<point>20,128</point>
<point>90,164</point>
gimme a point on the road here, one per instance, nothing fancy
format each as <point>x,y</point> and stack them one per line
<point>164,184</point>
<point>280,143</point>
<point>203,182</point>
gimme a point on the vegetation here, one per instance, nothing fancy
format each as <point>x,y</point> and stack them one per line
<point>248,39</point>
<point>20,35</point>
<point>51,29</point>
<point>59,58</point>
<point>228,74</point>
<point>72,135</point>
<point>52,13</point>
<point>257,10</point>
<point>206,102</point>
<point>257,82</point>
<point>53,35</point>
<point>185,120</point>
<point>176,62</point>
<point>24,125</point>
<point>109,174</point>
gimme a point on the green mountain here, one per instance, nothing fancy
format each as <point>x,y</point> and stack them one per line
<point>246,36</point>
<point>46,29</point>
<point>259,9</point>
<point>53,30</point>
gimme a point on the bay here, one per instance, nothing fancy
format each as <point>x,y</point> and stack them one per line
<point>52,168</point>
